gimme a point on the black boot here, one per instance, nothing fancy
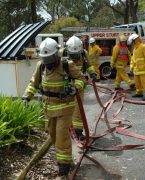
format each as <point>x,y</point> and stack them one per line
<point>132,87</point>
<point>118,88</point>
<point>64,170</point>
<point>137,95</point>
<point>79,133</point>
<point>143,98</point>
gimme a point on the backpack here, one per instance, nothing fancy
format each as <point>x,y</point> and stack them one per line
<point>84,67</point>
<point>65,68</point>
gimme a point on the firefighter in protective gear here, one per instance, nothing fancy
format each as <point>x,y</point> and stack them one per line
<point>120,58</point>
<point>94,52</point>
<point>58,104</point>
<point>79,55</point>
<point>137,65</point>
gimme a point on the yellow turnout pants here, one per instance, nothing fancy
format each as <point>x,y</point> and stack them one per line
<point>58,128</point>
<point>97,70</point>
<point>121,75</point>
<point>140,83</point>
<point>77,120</point>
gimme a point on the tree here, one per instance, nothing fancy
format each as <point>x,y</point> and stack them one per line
<point>15,13</point>
<point>64,22</point>
<point>104,18</point>
<point>141,12</point>
<point>85,10</point>
<point>56,8</point>
<point>133,10</point>
<point>125,8</point>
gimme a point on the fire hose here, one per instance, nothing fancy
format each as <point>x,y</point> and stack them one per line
<point>121,128</point>
<point>87,146</point>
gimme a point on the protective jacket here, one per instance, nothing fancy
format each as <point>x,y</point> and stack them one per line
<point>120,57</point>
<point>138,59</point>
<point>54,82</point>
<point>94,53</point>
<point>83,63</point>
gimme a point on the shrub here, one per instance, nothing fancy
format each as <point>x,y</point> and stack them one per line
<point>16,121</point>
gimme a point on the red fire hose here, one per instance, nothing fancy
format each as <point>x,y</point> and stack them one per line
<point>121,128</point>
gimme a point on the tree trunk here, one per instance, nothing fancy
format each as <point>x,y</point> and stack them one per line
<point>126,12</point>
<point>33,11</point>
<point>133,10</point>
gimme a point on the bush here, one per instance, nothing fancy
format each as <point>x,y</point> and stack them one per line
<point>16,121</point>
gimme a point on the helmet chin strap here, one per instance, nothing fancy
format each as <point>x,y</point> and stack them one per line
<point>75,57</point>
<point>52,66</point>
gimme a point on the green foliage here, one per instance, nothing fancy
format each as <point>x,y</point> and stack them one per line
<point>16,121</point>
<point>142,5</point>
<point>106,18</point>
<point>64,22</point>
<point>141,13</point>
<point>15,13</point>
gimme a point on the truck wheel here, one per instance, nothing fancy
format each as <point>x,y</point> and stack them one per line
<point>106,72</point>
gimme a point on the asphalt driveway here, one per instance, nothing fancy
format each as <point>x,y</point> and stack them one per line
<point>113,165</point>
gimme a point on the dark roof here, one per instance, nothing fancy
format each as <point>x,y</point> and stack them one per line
<point>12,46</point>
<point>82,29</point>
<point>74,29</point>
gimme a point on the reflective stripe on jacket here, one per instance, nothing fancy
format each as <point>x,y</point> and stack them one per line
<point>123,53</point>
<point>53,81</point>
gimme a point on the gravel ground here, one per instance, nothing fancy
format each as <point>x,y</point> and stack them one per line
<point>14,158</point>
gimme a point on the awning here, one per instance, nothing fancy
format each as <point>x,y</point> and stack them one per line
<point>12,46</point>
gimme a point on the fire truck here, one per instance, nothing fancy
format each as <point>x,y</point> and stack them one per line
<point>138,27</point>
<point>106,39</point>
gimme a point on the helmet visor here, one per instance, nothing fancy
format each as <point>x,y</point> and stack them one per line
<point>75,56</point>
<point>50,59</point>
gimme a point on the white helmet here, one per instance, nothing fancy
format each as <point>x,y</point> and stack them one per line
<point>74,45</point>
<point>48,47</point>
<point>92,40</point>
<point>131,38</point>
<point>49,51</point>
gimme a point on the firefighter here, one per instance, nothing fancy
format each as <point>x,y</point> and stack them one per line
<point>77,54</point>
<point>94,52</point>
<point>137,65</point>
<point>120,58</point>
<point>58,98</point>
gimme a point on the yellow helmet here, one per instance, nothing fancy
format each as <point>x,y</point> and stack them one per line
<point>122,37</point>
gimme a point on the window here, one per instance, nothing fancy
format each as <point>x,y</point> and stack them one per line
<point>141,30</point>
<point>134,28</point>
<point>106,46</point>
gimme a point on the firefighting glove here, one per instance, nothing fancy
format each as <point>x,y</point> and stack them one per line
<point>71,90</point>
<point>94,77</point>
<point>26,102</point>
